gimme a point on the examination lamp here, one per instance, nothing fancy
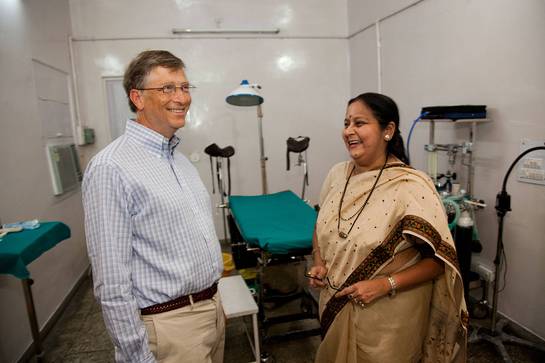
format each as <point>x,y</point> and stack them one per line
<point>248,95</point>
<point>496,335</point>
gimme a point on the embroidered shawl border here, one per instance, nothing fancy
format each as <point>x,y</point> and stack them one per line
<point>384,252</point>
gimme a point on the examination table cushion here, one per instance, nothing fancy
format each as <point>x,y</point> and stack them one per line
<point>278,223</point>
<point>19,249</point>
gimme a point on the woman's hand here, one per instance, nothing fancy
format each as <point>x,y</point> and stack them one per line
<point>366,291</point>
<point>316,275</point>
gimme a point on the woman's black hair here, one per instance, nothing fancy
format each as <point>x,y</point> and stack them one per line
<point>385,111</point>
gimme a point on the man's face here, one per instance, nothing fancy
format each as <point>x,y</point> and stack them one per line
<point>159,111</point>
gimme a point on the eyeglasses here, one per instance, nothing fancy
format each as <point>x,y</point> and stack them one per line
<point>337,289</point>
<point>170,89</point>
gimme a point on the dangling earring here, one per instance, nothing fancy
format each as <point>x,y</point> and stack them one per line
<point>387,137</point>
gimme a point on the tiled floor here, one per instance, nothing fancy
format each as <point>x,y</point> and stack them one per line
<point>80,336</point>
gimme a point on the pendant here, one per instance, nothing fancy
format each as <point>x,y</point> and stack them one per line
<point>342,234</point>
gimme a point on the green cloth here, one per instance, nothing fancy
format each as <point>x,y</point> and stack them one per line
<point>18,249</point>
<point>278,223</point>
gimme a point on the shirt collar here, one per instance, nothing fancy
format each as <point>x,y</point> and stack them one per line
<point>151,140</point>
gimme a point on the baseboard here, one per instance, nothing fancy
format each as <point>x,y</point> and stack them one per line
<point>30,351</point>
<point>517,328</point>
<point>523,331</point>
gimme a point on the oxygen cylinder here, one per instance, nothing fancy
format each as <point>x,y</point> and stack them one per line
<point>463,242</point>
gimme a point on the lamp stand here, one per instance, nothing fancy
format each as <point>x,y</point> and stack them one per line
<point>496,335</point>
<point>263,158</point>
<point>223,204</point>
<point>247,95</point>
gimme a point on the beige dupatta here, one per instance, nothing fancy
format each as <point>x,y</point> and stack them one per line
<point>404,210</point>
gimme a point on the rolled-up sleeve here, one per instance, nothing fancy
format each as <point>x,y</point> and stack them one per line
<point>108,231</point>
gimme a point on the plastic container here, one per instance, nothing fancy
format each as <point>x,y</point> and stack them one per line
<point>248,273</point>
<point>463,242</point>
<point>228,264</point>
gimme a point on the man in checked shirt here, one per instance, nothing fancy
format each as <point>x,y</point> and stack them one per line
<point>154,252</point>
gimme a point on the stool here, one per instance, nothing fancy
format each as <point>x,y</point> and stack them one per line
<point>237,301</point>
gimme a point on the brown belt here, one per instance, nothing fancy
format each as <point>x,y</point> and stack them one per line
<point>181,301</point>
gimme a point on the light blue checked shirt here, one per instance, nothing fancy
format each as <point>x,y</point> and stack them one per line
<point>150,233</point>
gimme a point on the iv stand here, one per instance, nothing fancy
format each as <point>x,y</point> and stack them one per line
<point>497,336</point>
<point>223,205</point>
<point>263,158</point>
<point>303,161</point>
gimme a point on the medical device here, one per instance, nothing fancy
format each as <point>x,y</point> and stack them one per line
<point>247,95</point>
<point>460,112</point>
<point>496,335</point>
<point>460,203</point>
<point>217,153</point>
<point>463,151</point>
<point>64,167</point>
<point>277,229</point>
<point>299,145</point>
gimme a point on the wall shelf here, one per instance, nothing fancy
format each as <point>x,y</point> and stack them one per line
<point>460,120</point>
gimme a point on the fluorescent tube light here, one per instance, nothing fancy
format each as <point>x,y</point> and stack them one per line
<point>225,31</point>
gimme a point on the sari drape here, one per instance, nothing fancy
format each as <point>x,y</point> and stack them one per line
<point>403,217</point>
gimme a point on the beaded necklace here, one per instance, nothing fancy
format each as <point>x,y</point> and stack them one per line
<point>345,235</point>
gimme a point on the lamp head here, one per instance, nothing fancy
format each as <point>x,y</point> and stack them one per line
<point>245,95</point>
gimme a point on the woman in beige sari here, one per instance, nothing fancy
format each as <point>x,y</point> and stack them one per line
<point>383,253</point>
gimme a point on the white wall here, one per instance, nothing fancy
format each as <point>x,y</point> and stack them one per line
<point>303,72</point>
<point>472,52</point>
<point>437,52</point>
<point>29,30</point>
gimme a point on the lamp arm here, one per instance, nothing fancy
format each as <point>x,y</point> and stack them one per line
<point>503,199</point>
<point>503,205</point>
<point>516,161</point>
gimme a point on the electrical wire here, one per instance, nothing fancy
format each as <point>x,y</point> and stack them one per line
<point>504,267</point>
<point>504,184</point>
<point>411,132</point>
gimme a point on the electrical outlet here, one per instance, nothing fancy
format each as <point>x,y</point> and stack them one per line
<point>482,268</point>
<point>532,174</point>
<point>531,168</point>
<point>533,163</point>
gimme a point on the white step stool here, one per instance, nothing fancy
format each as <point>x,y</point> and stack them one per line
<point>237,301</point>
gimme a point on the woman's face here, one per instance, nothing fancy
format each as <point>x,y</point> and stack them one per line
<point>363,136</point>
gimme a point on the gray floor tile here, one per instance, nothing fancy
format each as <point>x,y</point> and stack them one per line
<point>80,336</point>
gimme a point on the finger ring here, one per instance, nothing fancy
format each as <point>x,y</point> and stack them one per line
<point>350,296</point>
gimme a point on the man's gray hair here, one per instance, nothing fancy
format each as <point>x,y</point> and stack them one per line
<point>143,64</point>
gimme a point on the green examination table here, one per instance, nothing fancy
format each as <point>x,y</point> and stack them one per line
<point>279,228</point>
<point>279,223</point>
<point>19,249</point>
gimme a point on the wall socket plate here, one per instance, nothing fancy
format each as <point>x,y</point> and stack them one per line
<point>531,168</point>
<point>484,268</point>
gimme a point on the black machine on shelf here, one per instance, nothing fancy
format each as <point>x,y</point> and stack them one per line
<point>454,112</point>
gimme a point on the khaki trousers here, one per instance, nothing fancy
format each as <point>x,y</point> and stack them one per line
<point>194,333</point>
